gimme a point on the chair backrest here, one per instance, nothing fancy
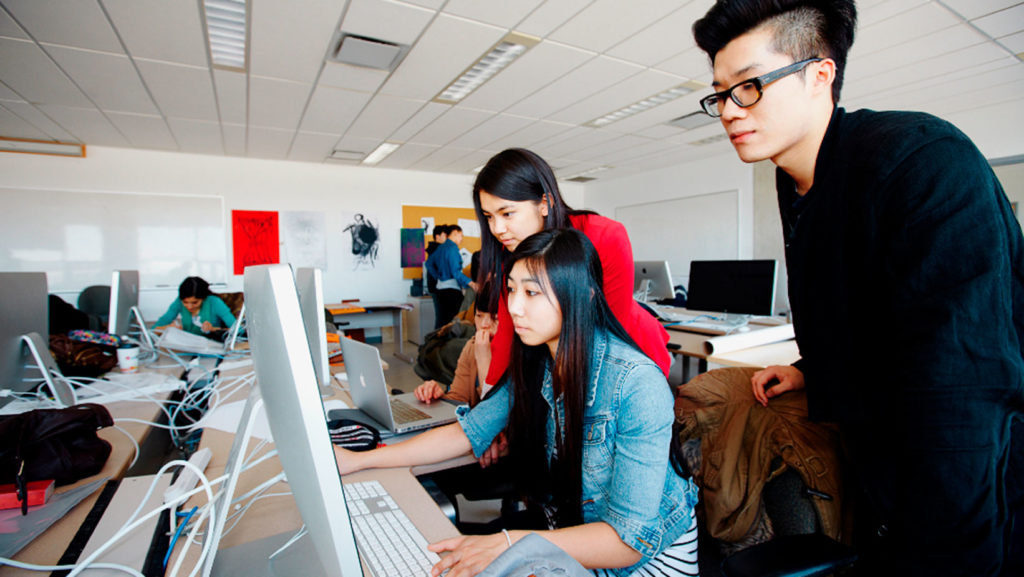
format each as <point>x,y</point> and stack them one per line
<point>95,300</point>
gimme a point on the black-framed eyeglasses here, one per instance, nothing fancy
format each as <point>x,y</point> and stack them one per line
<point>747,93</point>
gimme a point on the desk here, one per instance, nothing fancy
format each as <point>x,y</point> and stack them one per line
<point>377,314</point>
<point>48,548</point>
<point>782,353</point>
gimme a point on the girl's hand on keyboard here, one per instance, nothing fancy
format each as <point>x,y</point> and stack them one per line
<point>429,391</point>
<point>468,554</point>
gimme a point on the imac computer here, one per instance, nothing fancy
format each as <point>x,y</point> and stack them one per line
<point>124,305</point>
<point>735,287</point>
<point>24,337</point>
<point>310,285</point>
<point>652,280</point>
<point>288,386</point>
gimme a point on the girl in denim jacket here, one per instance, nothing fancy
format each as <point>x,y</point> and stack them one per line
<point>589,421</point>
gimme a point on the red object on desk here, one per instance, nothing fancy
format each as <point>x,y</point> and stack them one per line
<point>38,493</point>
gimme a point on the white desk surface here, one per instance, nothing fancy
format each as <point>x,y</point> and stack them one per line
<point>781,353</point>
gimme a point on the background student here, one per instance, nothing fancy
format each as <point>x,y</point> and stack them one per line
<point>197,310</point>
<point>440,235</point>
<point>467,385</point>
<point>893,217</point>
<point>446,266</point>
<point>612,502</point>
<point>515,196</point>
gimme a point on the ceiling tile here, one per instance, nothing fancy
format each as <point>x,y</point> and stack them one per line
<point>291,44</point>
<point>180,91</point>
<point>144,131</point>
<point>1002,23</point>
<point>585,138</point>
<point>450,125</point>
<point>550,15</point>
<point>109,80</point>
<point>466,164</point>
<point>383,116</point>
<point>432,4</point>
<point>497,12</point>
<point>915,23</point>
<point>197,136</point>
<point>389,21</point>
<point>591,77</point>
<point>631,90</point>
<point>1015,42</point>
<point>88,125</point>
<point>540,66</point>
<point>14,126</point>
<point>430,112</point>
<point>528,136</point>
<point>441,158</point>
<point>27,70</point>
<point>232,95</point>
<point>447,48</point>
<point>276,103</point>
<point>81,24</point>
<point>332,110</point>
<point>692,64</point>
<point>351,77</point>
<point>10,28</point>
<point>935,44</point>
<point>604,23</point>
<point>160,30</point>
<point>665,38</point>
<point>407,155</point>
<point>879,11</point>
<point>312,146</point>
<point>971,9</point>
<point>493,127</point>
<point>36,117</point>
<point>234,139</point>
<point>8,94</point>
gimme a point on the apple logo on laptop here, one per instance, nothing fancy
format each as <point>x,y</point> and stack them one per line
<point>362,380</point>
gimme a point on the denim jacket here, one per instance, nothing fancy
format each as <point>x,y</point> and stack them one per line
<point>628,481</point>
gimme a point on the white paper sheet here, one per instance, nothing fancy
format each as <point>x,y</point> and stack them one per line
<point>756,337</point>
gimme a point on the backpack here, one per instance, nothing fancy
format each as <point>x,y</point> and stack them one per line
<point>439,354</point>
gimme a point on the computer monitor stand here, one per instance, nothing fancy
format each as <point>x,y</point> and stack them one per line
<point>145,337</point>
<point>62,392</point>
<point>644,291</point>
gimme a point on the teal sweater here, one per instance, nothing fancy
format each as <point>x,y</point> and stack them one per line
<point>213,309</point>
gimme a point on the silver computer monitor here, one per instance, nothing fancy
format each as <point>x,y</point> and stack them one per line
<point>124,294</point>
<point>652,280</point>
<point>288,385</point>
<point>23,310</point>
<point>310,285</point>
<point>744,287</point>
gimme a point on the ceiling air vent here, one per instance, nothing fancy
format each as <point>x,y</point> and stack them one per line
<point>367,52</point>
<point>581,179</point>
<point>692,120</point>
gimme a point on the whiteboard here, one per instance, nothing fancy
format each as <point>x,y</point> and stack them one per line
<point>702,227</point>
<point>78,238</point>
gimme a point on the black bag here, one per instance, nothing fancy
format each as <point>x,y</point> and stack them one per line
<point>58,444</point>
<point>78,359</point>
<point>439,354</point>
<point>353,435</point>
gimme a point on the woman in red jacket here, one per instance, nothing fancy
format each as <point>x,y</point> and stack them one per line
<point>515,196</point>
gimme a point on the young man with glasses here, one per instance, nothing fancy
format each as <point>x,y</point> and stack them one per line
<point>906,282</point>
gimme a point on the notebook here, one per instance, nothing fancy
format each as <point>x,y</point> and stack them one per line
<point>179,340</point>
<point>398,414</point>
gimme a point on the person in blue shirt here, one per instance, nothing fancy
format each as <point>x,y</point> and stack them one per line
<point>445,264</point>
<point>589,420</point>
<point>198,311</point>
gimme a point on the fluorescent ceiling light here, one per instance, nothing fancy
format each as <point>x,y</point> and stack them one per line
<point>646,104</point>
<point>226,30</point>
<point>41,147</point>
<point>381,152</point>
<point>502,54</point>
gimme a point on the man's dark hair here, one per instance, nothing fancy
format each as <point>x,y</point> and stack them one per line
<point>454,228</point>
<point>439,230</point>
<point>800,29</point>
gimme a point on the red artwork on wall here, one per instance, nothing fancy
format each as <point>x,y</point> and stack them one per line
<point>255,238</point>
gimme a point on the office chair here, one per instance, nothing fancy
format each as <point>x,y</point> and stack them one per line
<point>95,300</point>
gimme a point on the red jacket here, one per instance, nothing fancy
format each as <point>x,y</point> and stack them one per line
<point>616,253</point>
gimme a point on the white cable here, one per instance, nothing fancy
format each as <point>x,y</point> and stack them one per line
<point>135,445</point>
<point>34,567</point>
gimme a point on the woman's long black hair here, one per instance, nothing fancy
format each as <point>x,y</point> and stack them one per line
<point>569,262</point>
<point>194,286</point>
<point>516,174</point>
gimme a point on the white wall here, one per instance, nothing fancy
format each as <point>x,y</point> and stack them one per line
<point>250,184</point>
<point>717,174</point>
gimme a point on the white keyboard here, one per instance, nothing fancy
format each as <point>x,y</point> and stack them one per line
<point>388,541</point>
<point>697,322</point>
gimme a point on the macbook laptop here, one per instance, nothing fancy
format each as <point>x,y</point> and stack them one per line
<point>399,413</point>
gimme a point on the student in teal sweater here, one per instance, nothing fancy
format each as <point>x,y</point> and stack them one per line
<point>198,311</point>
